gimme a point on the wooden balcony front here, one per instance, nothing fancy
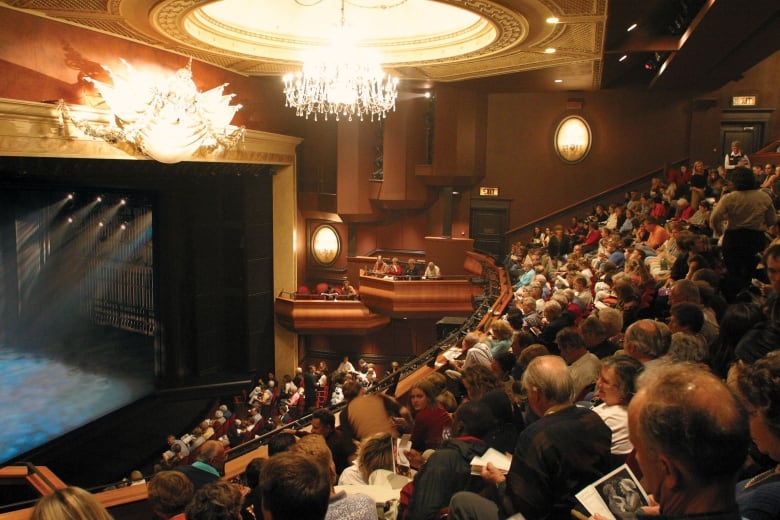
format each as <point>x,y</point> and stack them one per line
<point>317,316</point>
<point>401,298</point>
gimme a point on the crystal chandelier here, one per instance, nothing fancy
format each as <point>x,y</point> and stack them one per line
<point>342,80</point>
<point>168,121</point>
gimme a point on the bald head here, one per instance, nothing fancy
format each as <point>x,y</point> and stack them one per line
<point>549,375</point>
<point>691,435</point>
<point>213,454</point>
<point>646,340</point>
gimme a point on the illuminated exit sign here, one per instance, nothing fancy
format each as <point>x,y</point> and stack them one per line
<point>488,192</point>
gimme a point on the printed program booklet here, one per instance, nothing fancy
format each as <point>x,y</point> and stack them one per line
<point>617,495</point>
<point>500,460</point>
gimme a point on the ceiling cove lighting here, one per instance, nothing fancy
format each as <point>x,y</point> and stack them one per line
<point>341,80</point>
<point>166,119</point>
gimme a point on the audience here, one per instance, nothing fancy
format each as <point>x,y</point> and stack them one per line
<point>541,482</point>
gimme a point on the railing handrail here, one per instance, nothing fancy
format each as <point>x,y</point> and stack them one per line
<point>594,198</point>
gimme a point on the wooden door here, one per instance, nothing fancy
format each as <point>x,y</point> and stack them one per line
<point>489,224</point>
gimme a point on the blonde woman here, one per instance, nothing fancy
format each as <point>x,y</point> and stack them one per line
<point>72,503</point>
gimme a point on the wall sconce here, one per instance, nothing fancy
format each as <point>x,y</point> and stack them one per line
<point>167,120</point>
<point>325,245</point>
<point>572,139</point>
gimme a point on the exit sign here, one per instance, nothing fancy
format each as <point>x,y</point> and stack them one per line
<point>743,101</point>
<point>488,192</point>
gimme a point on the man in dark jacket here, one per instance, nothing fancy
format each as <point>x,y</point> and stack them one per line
<point>448,469</point>
<point>208,467</point>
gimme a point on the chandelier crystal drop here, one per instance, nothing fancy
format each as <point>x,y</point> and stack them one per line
<point>342,80</point>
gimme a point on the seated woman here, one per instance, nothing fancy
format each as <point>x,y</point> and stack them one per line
<point>758,385</point>
<point>395,269</point>
<point>430,418</point>
<point>411,268</point>
<point>348,292</point>
<point>614,389</point>
<point>375,452</point>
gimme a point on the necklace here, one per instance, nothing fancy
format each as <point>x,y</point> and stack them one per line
<point>762,477</point>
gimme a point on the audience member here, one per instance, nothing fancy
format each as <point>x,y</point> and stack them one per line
<point>375,452</point>
<point>556,456</point>
<point>594,333</point>
<point>691,438</point>
<point>341,506</point>
<point>280,443</point>
<point>615,388</point>
<point>169,492</point>
<point>430,418</point>
<point>432,271</point>
<point>208,466</point>
<point>743,217</point>
<point>366,415</point>
<point>218,500</point>
<point>294,487</point>
<point>583,367</point>
<point>252,503</point>
<point>70,503</point>
<point>323,422</point>
<point>647,341</point>
<point>448,469</point>
<point>758,386</point>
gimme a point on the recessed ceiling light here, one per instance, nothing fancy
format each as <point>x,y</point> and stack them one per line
<point>623,57</point>
<point>559,81</point>
<point>550,50</point>
<point>553,19</point>
<point>631,27</point>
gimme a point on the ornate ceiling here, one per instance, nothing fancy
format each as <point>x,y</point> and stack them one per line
<point>446,40</point>
<point>499,45</point>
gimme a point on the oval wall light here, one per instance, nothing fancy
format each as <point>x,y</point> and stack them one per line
<point>572,139</point>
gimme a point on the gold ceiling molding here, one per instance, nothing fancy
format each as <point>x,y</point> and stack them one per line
<point>508,38</point>
<point>30,129</point>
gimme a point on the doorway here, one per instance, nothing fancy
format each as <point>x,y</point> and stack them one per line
<point>748,126</point>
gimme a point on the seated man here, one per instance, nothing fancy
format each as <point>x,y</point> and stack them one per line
<point>448,470</point>
<point>691,438</point>
<point>208,467</point>
<point>556,456</point>
<point>584,366</point>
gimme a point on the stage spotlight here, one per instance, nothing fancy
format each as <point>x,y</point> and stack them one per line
<point>70,196</point>
<point>123,202</point>
<point>100,224</point>
<point>99,199</point>
<point>123,226</point>
<point>70,220</point>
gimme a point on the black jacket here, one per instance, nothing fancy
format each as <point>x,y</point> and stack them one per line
<point>447,471</point>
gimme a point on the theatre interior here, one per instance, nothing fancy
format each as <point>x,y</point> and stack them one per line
<point>179,208</point>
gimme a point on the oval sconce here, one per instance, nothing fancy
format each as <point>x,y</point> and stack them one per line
<point>325,245</point>
<point>572,139</point>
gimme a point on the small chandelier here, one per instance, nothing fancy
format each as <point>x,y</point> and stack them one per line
<point>341,81</point>
<point>168,121</point>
